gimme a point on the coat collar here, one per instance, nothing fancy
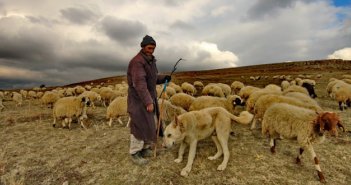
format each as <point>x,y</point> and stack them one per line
<point>148,59</point>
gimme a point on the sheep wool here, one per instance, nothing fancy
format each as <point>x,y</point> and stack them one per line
<point>117,109</point>
<point>67,108</point>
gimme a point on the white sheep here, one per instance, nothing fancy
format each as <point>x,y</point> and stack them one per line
<point>236,86</point>
<point>284,85</point>
<point>107,95</point>
<point>67,108</point>
<point>228,103</point>
<point>182,100</point>
<point>32,95</point>
<point>250,103</point>
<point>176,87</point>
<point>293,98</point>
<point>212,90</point>
<point>49,98</point>
<point>93,96</point>
<point>246,91</point>
<point>304,125</point>
<point>225,89</point>
<point>342,94</point>
<point>117,109</point>
<point>17,97</point>
<point>188,88</point>
<point>296,88</point>
<point>79,90</point>
<point>168,111</point>
<point>198,84</point>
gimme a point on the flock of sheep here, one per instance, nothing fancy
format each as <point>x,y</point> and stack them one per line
<point>292,103</point>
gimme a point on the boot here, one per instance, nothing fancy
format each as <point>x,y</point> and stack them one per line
<point>147,152</point>
<point>138,159</point>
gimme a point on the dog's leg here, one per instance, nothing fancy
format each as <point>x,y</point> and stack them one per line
<point>192,151</point>
<point>219,149</point>
<point>223,140</point>
<point>181,152</point>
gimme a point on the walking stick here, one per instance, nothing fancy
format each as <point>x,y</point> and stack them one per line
<point>161,108</point>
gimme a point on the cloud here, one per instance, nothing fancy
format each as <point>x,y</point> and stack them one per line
<point>16,73</point>
<point>344,54</point>
<point>123,31</point>
<point>79,15</point>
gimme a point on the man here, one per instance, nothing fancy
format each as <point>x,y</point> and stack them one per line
<point>142,98</point>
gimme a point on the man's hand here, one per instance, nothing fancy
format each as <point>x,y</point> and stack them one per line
<point>150,107</point>
<point>168,78</point>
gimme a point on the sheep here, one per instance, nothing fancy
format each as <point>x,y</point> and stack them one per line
<point>310,89</point>
<point>188,88</point>
<point>182,100</point>
<point>346,76</point>
<point>70,91</point>
<point>40,94</point>
<point>284,85</point>
<point>347,80</point>
<point>93,96</point>
<point>198,84</point>
<point>49,98</point>
<point>170,91</point>
<point>212,90</point>
<point>228,103</point>
<point>24,93</point>
<point>79,90</point>
<point>116,109</point>
<point>67,108</point>
<point>107,95</point>
<point>292,98</point>
<point>175,87</point>
<point>17,97</point>
<point>304,125</point>
<point>342,94</point>
<point>225,89</point>
<point>250,103</point>
<point>168,111</point>
<point>333,82</point>
<point>32,95</point>
<point>295,88</point>
<point>245,92</point>
<point>236,86</point>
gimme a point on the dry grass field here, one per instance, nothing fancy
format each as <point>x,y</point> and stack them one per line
<point>32,152</point>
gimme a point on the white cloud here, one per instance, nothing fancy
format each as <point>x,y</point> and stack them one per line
<point>209,56</point>
<point>344,54</point>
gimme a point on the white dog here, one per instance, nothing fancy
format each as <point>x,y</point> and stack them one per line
<point>193,126</point>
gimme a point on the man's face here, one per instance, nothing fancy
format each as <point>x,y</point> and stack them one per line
<point>149,50</point>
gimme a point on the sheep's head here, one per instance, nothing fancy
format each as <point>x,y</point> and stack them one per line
<point>328,121</point>
<point>85,101</point>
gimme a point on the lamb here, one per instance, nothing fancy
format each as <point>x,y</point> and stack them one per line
<point>236,86</point>
<point>299,123</point>
<point>292,98</point>
<point>228,103</point>
<point>285,84</point>
<point>212,90</point>
<point>49,98</point>
<point>117,109</point>
<point>182,100</point>
<point>107,95</point>
<point>93,96</point>
<point>188,88</point>
<point>17,97</point>
<point>67,108</point>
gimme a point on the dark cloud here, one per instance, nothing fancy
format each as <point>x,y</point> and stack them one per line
<point>264,8</point>
<point>41,20</point>
<point>181,25</point>
<point>123,31</point>
<point>30,44</point>
<point>19,83</point>
<point>79,15</point>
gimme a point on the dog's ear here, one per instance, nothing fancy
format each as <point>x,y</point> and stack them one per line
<point>176,121</point>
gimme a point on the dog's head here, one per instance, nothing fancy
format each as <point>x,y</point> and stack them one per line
<point>174,132</point>
<point>328,121</point>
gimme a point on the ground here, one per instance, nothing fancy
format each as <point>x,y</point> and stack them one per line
<point>33,152</point>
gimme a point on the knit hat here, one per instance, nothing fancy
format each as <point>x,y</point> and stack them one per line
<point>147,40</point>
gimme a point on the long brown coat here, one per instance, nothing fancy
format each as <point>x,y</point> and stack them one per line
<point>142,79</point>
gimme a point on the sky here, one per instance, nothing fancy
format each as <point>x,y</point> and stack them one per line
<point>67,41</point>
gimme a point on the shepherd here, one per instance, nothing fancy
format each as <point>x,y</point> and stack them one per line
<point>142,76</point>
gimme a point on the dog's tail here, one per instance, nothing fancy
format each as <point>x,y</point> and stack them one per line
<point>244,118</point>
